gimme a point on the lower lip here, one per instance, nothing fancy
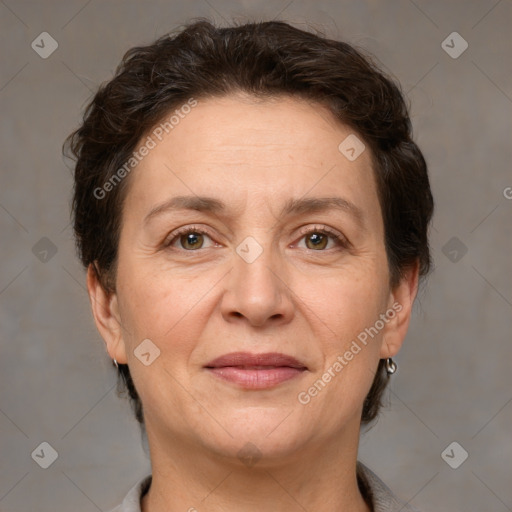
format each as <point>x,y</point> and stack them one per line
<point>256,378</point>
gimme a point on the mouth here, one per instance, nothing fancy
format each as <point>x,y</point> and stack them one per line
<point>256,371</point>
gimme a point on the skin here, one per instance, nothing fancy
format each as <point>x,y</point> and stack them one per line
<point>297,299</point>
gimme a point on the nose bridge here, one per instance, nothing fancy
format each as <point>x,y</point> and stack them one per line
<point>256,289</point>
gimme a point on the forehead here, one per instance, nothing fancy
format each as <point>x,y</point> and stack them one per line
<point>253,127</point>
<point>241,148</point>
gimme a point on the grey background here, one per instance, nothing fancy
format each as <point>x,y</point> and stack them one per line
<point>454,380</point>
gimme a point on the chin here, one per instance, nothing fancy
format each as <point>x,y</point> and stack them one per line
<point>258,452</point>
<point>258,434</point>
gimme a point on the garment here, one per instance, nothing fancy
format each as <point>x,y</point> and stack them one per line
<point>372,488</point>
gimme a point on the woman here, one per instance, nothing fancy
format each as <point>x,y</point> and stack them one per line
<point>253,217</point>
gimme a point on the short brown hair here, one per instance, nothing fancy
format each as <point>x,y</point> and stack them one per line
<point>265,59</point>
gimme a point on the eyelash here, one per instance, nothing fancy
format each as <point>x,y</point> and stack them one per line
<point>183,231</point>
<point>340,240</point>
<point>324,230</point>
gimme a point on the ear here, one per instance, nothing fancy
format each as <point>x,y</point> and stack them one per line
<point>106,316</point>
<point>401,302</point>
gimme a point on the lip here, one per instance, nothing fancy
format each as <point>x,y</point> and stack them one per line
<point>256,371</point>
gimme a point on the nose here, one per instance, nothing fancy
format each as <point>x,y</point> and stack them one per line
<point>257,292</point>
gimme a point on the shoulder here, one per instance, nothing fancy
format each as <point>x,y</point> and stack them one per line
<point>378,493</point>
<point>131,502</point>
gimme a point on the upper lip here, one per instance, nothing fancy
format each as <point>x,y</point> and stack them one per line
<point>242,359</point>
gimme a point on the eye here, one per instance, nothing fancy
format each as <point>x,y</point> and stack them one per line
<point>317,238</point>
<point>189,238</point>
<point>192,240</point>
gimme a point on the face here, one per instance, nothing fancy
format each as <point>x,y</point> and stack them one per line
<point>248,236</point>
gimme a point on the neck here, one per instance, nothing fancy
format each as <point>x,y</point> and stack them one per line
<point>321,478</point>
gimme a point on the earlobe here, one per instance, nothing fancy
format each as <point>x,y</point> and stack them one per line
<point>401,302</point>
<point>105,311</point>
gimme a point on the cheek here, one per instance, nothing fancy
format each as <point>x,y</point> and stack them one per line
<point>172,313</point>
<point>153,301</point>
<point>346,312</point>
<point>345,303</point>
<point>350,350</point>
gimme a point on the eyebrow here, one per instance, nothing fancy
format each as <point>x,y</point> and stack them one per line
<point>199,203</point>
<point>321,204</point>
<point>291,207</point>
